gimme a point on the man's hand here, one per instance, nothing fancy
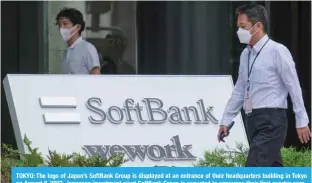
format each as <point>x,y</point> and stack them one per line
<point>304,134</point>
<point>223,129</point>
<point>95,70</point>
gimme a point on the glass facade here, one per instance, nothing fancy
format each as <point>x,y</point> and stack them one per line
<point>102,18</point>
<point>162,38</point>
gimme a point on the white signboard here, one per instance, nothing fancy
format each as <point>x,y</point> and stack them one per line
<point>154,120</point>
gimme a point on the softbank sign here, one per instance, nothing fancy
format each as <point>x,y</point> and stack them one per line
<point>173,114</point>
<point>153,120</point>
<point>152,108</point>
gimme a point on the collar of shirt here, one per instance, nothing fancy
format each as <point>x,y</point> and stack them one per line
<point>256,48</point>
<point>76,42</point>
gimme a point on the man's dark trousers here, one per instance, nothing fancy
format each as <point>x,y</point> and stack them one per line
<point>266,131</point>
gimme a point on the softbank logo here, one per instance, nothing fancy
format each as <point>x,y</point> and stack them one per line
<point>147,111</point>
<point>61,110</point>
<point>153,111</point>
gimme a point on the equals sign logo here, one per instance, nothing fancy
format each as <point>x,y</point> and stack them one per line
<point>60,103</point>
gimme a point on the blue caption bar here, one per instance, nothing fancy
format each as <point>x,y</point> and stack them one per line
<point>161,175</point>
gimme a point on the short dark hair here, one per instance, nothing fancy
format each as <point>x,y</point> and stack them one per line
<point>255,13</point>
<point>74,15</point>
<point>118,41</point>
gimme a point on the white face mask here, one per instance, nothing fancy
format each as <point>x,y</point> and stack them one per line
<point>244,35</point>
<point>65,33</point>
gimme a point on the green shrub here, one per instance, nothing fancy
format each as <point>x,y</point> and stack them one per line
<point>214,158</point>
<point>295,158</point>
<point>224,157</point>
<point>13,158</point>
<point>237,158</point>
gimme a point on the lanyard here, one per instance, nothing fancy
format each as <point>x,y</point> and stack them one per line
<point>249,71</point>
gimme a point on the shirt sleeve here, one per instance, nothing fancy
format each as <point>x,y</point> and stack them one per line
<point>92,58</point>
<point>287,69</point>
<point>236,101</point>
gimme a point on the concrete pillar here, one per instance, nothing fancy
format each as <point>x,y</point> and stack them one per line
<point>124,16</point>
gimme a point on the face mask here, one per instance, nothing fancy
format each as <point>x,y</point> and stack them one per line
<point>244,35</point>
<point>65,33</point>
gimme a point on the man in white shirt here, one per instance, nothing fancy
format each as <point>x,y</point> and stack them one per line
<point>81,57</point>
<point>267,74</point>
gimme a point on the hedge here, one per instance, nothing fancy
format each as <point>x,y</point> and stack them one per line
<point>236,158</point>
<point>214,158</point>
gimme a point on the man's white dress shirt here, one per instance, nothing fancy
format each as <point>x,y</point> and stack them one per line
<point>272,77</point>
